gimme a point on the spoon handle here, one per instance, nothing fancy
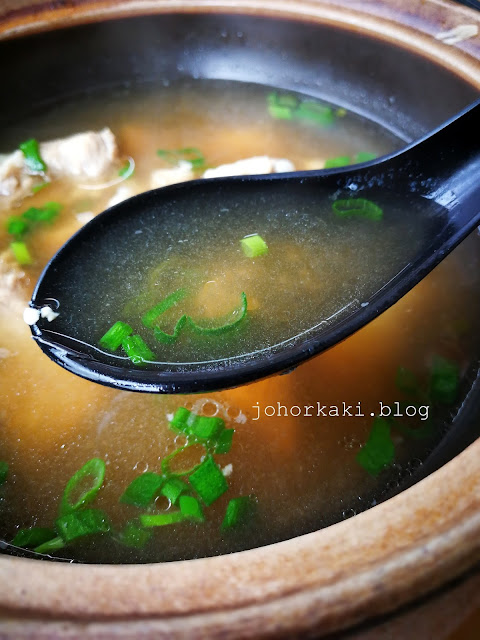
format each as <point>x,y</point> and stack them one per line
<point>451,156</point>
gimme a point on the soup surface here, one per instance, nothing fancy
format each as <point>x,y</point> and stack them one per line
<point>309,448</point>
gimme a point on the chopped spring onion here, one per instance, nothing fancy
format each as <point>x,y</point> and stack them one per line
<point>51,545</point>
<point>133,535</point>
<point>33,537</point>
<point>173,489</point>
<point>170,338</point>
<point>357,207</point>
<point>143,490</point>
<point>365,156</point>
<point>165,464</point>
<point>83,486</point>
<point>180,419</point>
<point>19,225</point>
<point>208,481</point>
<point>318,113</point>
<point>127,170</point>
<point>378,452</point>
<point>211,331</point>
<point>343,161</point>
<point>21,253</point>
<point>137,349</point>
<point>47,213</point>
<point>188,322</point>
<point>254,246</point>
<point>238,512</point>
<point>281,107</point>
<point>82,523</point>
<point>33,159</point>
<point>202,427</point>
<point>16,226</point>
<point>161,519</point>
<point>224,441</point>
<point>206,427</point>
<point>289,107</point>
<point>341,112</point>
<point>3,471</point>
<point>444,380</point>
<point>149,318</point>
<point>115,335</point>
<point>190,509</point>
<point>39,187</point>
<point>339,161</point>
<point>189,154</point>
<point>406,381</point>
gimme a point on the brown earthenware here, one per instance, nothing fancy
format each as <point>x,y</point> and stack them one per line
<point>318,583</point>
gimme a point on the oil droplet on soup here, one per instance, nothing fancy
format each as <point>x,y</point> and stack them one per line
<point>296,453</point>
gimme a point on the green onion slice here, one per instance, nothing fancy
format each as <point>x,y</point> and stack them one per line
<point>148,319</point>
<point>339,161</point>
<point>133,535</point>
<point>238,512</point>
<point>83,486</point>
<point>47,213</point>
<point>39,187</point>
<point>173,489</point>
<point>21,253</point>
<point>16,226</point>
<point>161,519</point>
<point>127,170</point>
<point>281,106</point>
<point>143,490</point>
<point>289,107</point>
<point>51,545</point>
<point>378,452</point>
<point>318,113</point>
<point>180,419</point>
<point>224,441</point>
<point>359,207</point>
<point>33,537</point>
<point>254,246</point>
<point>165,463</point>
<point>444,380</point>
<point>115,335</point>
<point>228,326</point>
<point>82,523</point>
<point>3,471</point>
<point>33,160</point>
<point>208,481</point>
<point>201,427</point>
<point>170,338</point>
<point>365,156</point>
<point>191,509</point>
<point>137,349</point>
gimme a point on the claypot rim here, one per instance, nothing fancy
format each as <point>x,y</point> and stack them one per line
<point>326,580</point>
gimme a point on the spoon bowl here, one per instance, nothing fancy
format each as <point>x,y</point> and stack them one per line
<point>431,190</point>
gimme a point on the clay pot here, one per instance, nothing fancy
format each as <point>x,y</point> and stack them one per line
<point>359,569</point>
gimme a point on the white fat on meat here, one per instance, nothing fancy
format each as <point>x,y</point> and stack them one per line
<point>251,166</point>
<point>90,155</point>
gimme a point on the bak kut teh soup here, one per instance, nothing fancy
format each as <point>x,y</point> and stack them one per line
<point>99,475</point>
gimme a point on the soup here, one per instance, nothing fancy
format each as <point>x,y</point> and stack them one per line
<point>99,475</point>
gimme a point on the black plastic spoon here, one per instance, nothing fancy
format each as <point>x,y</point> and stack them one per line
<point>437,177</point>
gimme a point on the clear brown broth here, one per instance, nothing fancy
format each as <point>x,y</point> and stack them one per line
<point>302,469</point>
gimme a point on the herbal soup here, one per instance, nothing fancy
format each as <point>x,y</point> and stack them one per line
<point>94,474</point>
